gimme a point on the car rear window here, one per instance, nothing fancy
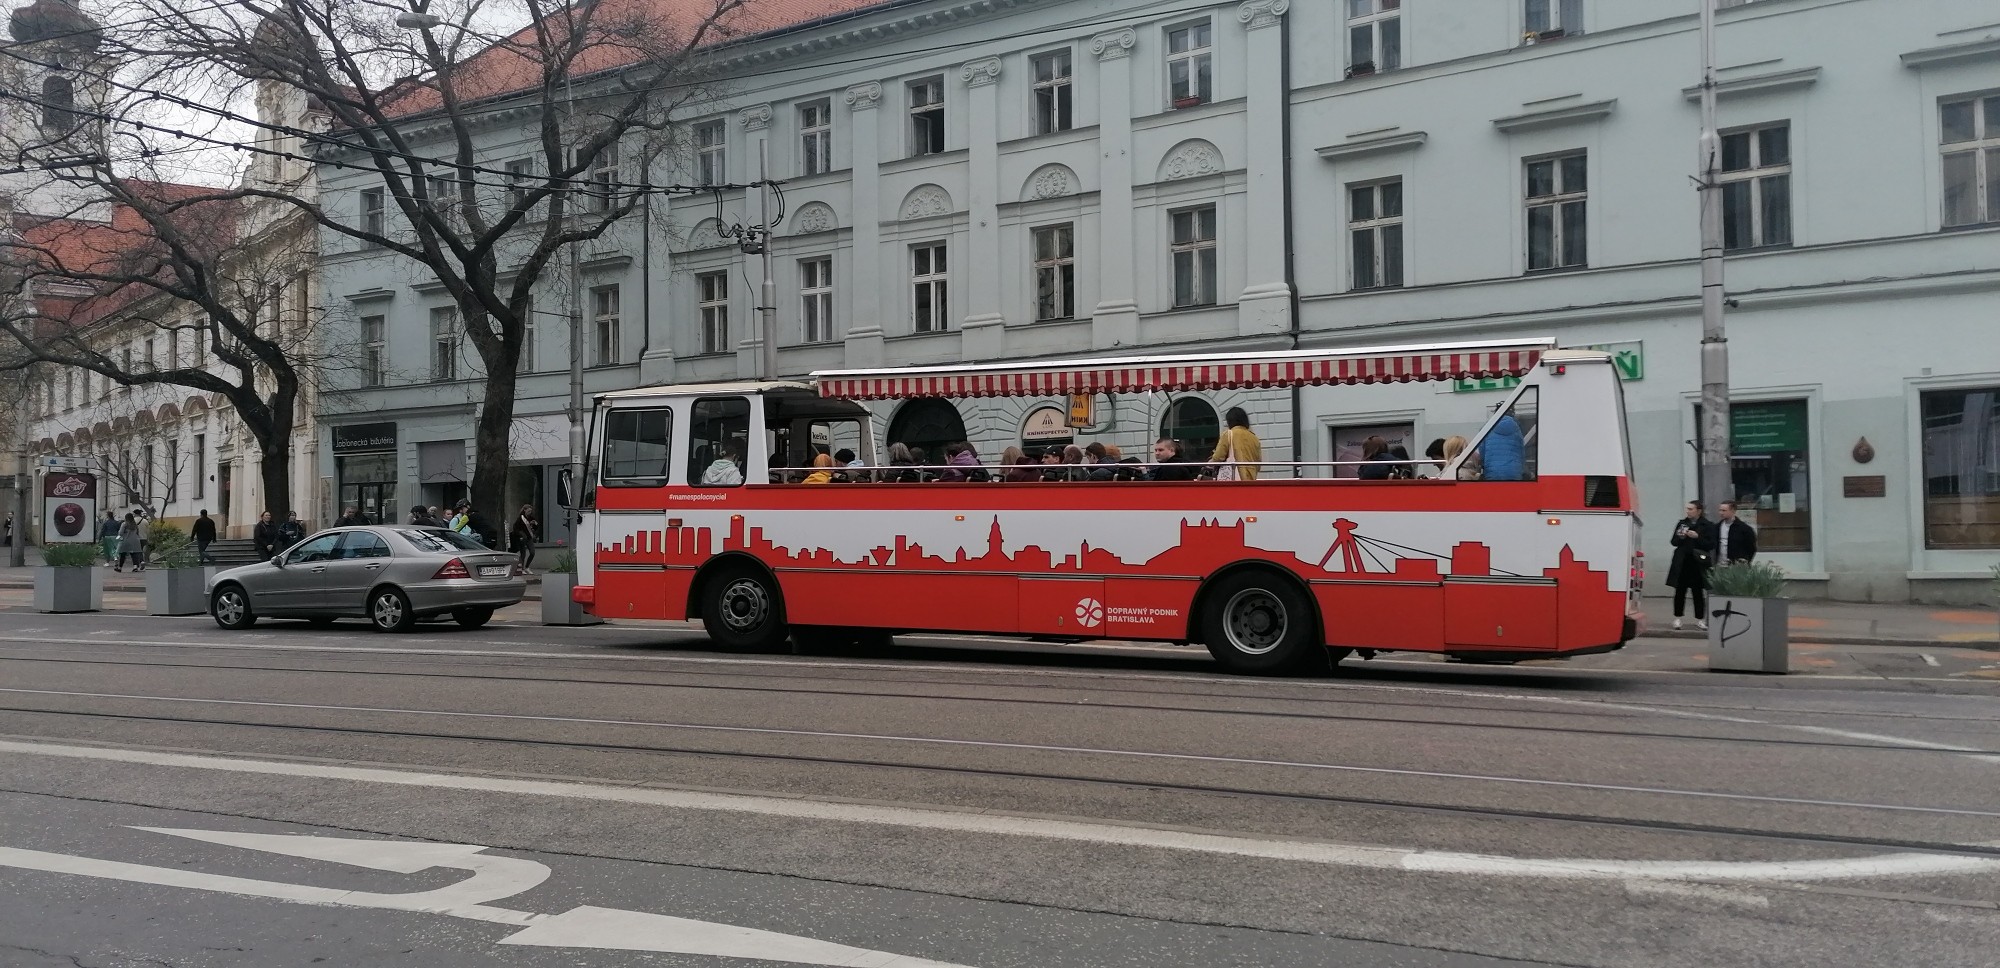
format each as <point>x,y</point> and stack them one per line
<point>437,539</point>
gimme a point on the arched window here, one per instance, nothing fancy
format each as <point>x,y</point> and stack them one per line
<point>928,423</point>
<point>58,105</point>
<point>1192,421</point>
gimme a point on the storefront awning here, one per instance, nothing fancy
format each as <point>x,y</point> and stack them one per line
<point>1383,364</point>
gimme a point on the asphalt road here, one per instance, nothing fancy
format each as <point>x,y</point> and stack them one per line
<point>630,797</point>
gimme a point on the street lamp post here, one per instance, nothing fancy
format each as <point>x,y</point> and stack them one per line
<point>1715,425</point>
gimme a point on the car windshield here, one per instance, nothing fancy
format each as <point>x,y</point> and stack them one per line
<point>437,539</point>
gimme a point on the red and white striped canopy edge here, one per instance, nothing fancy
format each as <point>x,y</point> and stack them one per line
<point>1459,361</point>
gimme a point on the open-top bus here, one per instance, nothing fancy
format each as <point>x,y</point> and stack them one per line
<point>689,509</point>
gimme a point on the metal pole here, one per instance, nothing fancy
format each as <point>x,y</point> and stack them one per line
<point>576,414</point>
<point>1716,485</point>
<point>17,555</point>
<point>768,296</point>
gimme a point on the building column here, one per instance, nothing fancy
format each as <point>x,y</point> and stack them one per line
<point>1266,304</point>
<point>864,333</point>
<point>985,327</point>
<point>1115,321</point>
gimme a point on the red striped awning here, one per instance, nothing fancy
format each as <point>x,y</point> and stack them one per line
<point>1406,364</point>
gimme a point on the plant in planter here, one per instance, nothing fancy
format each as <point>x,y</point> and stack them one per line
<point>557,608</point>
<point>174,577</point>
<point>67,580</point>
<point>1747,616</point>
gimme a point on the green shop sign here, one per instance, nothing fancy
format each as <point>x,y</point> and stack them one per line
<point>1629,358</point>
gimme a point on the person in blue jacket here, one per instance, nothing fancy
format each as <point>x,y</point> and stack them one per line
<point>1502,450</point>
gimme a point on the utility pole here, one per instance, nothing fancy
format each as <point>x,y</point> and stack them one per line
<point>767,297</point>
<point>1716,485</point>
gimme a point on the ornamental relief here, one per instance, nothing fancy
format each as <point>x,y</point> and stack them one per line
<point>1050,181</point>
<point>1191,159</point>
<point>925,201</point>
<point>814,217</point>
<point>706,234</point>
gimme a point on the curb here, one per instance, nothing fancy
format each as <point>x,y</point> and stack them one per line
<point>1980,645</point>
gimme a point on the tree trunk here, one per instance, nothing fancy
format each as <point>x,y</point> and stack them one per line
<point>493,439</point>
<point>274,469</point>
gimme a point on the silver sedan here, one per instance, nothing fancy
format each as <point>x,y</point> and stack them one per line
<point>393,576</point>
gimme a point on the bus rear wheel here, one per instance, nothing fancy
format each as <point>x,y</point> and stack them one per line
<point>1258,623</point>
<point>742,612</point>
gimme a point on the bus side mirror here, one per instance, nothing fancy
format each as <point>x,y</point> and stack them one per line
<point>565,486</point>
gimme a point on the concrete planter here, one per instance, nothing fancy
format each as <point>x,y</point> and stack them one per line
<point>69,589</point>
<point>557,609</point>
<point>176,591</point>
<point>1749,635</point>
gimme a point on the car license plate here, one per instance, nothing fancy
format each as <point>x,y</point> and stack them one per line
<point>493,571</point>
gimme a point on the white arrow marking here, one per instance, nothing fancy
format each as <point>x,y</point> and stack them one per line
<point>493,878</point>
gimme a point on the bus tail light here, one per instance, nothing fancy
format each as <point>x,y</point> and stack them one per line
<point>452,569</point>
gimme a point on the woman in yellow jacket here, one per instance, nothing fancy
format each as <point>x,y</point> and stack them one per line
<point>1239,452</point>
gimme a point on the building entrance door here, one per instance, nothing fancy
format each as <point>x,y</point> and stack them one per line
<point>376,501</point>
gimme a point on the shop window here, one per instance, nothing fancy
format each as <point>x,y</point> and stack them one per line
<point>1770,472</point>
<point>1962,468</point>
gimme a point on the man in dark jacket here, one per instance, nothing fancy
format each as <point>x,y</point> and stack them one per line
<point>203,533</point>
<point>1734,540</point>
<point>291,532</point>
<point>1171,464</point>
<point>353,518</point>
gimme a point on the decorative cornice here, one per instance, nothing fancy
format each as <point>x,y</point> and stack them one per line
<point>1398,141</point>
<point>1113,44</point>
<point>1976,50</point>
<point>756,117</point>
<point>981,72</point>
<point>864,97</point>
<point>1554,117</point>
<point>1257,14</point>
<point>1769,83</point>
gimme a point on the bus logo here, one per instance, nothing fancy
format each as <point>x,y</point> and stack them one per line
<point>1089,613</point>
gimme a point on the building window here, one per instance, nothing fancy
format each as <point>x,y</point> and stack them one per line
<point>1191,421</point>
<point>58,105</point>
<point>1194,256</point>
<point>200,466</point>
<point>1375,231</point>
<point>816,299</point>
<point>713,287</point>
<point>929,293</point>
<point>372,219</point>
<point>604,175</point>
<point>125,359</point>
<point>1052,92</point>
<point>816,138</point>
<point>1970,132</point>
<point>149,473</point>
<point>1190,73</point>
<point>445,334</point>
<point>374,350</point>
<point>174,348</point>
<point>152,361</point>
<point>69,390</point>
<point>1556,194</point>
<point>1770,471</point>
<point>927,116</point>
<point>441,192</point>
<point>1055,272</point>
<point>603,325</point>
<point>710,163</point>
<point>1757,187</point>
<point>1549,19</point>
<point>525,363</point>
<point>520,175</point>
<point>173,469</point>
<point>1962,468</point>
<point>1374,36</point>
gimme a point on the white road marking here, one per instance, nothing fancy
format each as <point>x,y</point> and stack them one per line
<point>1091,832</point>
<point>1025,747</point>
<point>493,878</point>
<point>1929,659</point>
<point>1696,892</point>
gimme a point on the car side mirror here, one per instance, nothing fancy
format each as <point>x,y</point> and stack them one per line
<point>277,561</point>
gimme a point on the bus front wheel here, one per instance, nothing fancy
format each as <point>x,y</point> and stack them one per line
<point>742,611</point>
<point>1258,623</point>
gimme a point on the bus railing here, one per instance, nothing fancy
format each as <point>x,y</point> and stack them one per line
<point>1068,473</point>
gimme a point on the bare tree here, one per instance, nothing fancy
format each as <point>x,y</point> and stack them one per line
<point>412,92</point>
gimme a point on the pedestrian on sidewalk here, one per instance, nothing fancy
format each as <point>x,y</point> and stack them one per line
<point>523,535</point>
<point>10,531</point>
<point>291,532</point>
<point>107,537</point>
<point>1694,552</point>
<point>1735,540</point>
<point>131,545</point>
<point>265,536</point>
<point>204,535</point>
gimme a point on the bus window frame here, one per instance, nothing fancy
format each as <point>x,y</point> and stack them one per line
<point>752,410</point>
<point>604,478</point>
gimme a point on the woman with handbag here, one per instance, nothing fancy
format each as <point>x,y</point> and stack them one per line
<point>1239,452</point>
<point>1694,551</point>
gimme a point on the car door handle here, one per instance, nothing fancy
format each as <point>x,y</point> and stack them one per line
<point>372,567</point>
<point>318,568</point>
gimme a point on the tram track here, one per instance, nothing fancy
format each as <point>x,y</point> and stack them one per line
<point>1493,812</point>
<point>1571,706</point>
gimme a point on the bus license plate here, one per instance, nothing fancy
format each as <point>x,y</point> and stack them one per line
<point>492,571</point>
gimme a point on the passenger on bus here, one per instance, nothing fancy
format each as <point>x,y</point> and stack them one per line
<point>726,470</point>
<point>1021,468</point>
<point>842,460</point>
<point>962,464</point>
<point>922,461</point>
<point>1109,464</point>
<point>1375,451</point>
<point>822,472</point>
<point>1470,469</point>
<point>1436,454</point>
<point>1169,464</point>
<point>902,467</point>
<point>1501,453</point>
<point>1239,453</point>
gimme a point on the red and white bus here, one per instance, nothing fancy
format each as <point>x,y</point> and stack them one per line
<point>690,510</point>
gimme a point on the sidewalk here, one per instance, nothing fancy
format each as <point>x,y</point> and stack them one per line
<point>1812,622</point>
